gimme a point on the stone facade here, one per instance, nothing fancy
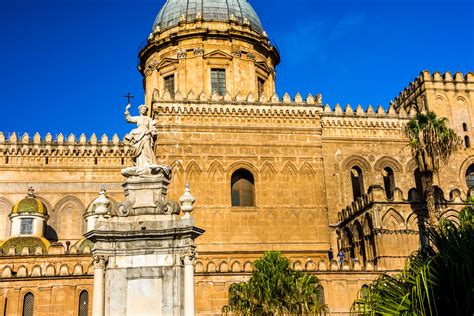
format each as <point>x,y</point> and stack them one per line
<point>303,157</point>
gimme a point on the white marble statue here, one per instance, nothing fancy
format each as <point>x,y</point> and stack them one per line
<point>142,138</point>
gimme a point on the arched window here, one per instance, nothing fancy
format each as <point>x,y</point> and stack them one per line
<point>364,291</point>
<point>419,183</point>
<point>467,142</point>
<point>321,298</point>
<point>28,304</point>
<point>470,176</point>
<point>243,188</point>
<point>83,303</point>
<point>388,182</point>
<point>357,180</point>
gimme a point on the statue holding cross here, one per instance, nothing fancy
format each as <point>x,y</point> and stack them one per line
<point>142,140</point>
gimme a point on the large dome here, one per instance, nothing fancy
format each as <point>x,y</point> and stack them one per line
<point>209,10</point>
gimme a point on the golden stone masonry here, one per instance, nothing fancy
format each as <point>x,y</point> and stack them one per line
<point>268,173</point>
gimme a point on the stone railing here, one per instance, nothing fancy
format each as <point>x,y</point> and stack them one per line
<point>377,194</point>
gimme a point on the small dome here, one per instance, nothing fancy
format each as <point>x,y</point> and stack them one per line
<point>30,205</point>
<point>174,11</point>
<point>21,242</point>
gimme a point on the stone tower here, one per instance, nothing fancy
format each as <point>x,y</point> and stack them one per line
<point>208,47</point>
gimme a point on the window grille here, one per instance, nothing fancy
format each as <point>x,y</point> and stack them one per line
<point>218,81</point>
<point>28,304</point>
<point>26,226</point>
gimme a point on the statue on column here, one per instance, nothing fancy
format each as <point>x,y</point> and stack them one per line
<point>142,141</point>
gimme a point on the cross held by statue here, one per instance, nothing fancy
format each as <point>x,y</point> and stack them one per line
<point>129,97</point>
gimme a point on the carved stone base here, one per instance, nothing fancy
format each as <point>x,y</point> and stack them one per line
<point>147,258</point>
<point>146,194</point>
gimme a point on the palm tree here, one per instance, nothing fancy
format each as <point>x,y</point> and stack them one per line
<point>275,289</point>
<point>439,284</point>
<point>432,143</point>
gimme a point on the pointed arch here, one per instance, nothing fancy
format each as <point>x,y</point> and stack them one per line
<point>68,220</point>
<point>307,170</point>
<point>193,171</point>
<point>451,215</point>
<point>5,223</point>
<point>289,169</point>
<point>412,222</point>
<point>358,161</point>
<point>268,170</point>
<point>215,170</point>
<point>393,220</point>
<point>177,167</point>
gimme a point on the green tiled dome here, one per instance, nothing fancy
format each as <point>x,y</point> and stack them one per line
<point>30,205</point>
<point>21,242</point>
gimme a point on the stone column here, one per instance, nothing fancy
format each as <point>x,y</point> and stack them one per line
<point>99,271</point>
<point>189,284</point>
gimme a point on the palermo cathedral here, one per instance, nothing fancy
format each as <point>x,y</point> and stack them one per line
<point>99,226</point>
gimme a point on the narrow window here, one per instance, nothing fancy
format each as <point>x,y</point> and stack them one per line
<point>419,183</point>
<point>28,304</point>
<point>261,86</point>
<point>389,182</point>
<point>5,307</point>
<point>96,161</point>
<point>357,180</point>
<point>84,304</point>
<point>26,226</point>
<point>218,81</point>
<point>169,85</point>
<point>364,291</point>
<point>470,176</point>
<point>467,142</point>
<point>464,127</point>
<point>321,298</point>
<point>242,187</point>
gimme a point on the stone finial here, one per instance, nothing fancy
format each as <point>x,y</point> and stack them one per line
<point>309,99</point>
<point>101,203</point>
<point>186,201</point>
<point>275,98</point>
<point>348,109</point>
<point>25,138</point>
<point>13,138</point>
<point>104,139</point>
<point>286,98</point>
<point>319,99</point>
<point>202,96</point>
<point>2,137</point>
<point>338,109</point>
<point>93,139</point>
<point>250,98</point>
<point>60,138</point>
<point>370,110</point>
<point>115,139</point>
<point>48,138</point>
<point>380,110</point>
<point>359,110</point>
<point>298,98</point>
<point>71,138</point>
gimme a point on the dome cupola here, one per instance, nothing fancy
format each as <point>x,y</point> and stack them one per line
<point>29,216</point>
<point>179,11</point>
<point>212,48</point>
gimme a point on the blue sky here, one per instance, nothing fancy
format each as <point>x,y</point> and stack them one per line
<point>65,64</point>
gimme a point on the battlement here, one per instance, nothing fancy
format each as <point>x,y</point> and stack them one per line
<point>359,111</point>
<point>250,99</point>
<point>435,80</point>
<point>72,146</point>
